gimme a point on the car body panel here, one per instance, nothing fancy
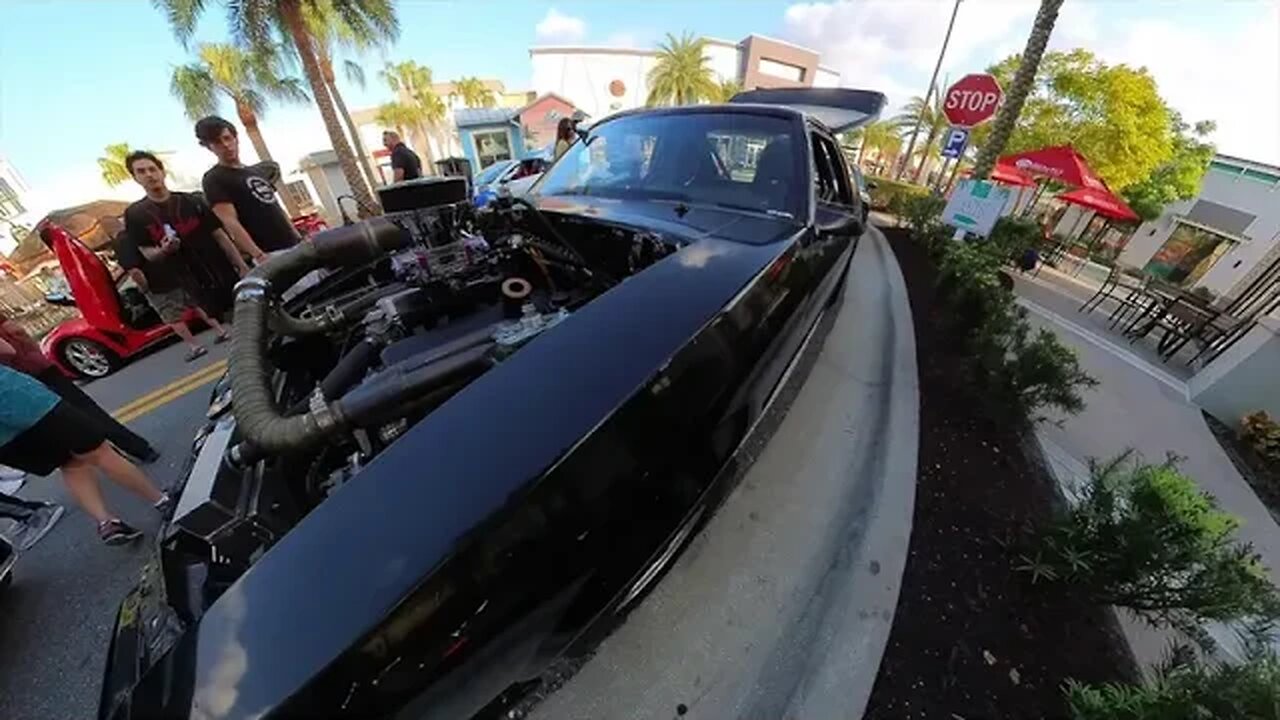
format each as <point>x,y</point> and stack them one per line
<point>509,521</point>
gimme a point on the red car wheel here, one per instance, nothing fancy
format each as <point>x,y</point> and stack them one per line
<point>88,358</point>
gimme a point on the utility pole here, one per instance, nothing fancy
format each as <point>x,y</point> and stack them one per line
<point>911,145</point>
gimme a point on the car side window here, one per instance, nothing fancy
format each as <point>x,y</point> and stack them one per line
<point>828,156</point>
<point>824,187</point>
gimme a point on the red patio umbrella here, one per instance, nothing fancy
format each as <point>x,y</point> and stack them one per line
<point>1011,175</point>
<point>1060,163</point>
<point>1100,201</point>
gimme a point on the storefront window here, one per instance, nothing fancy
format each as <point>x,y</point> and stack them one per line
<point>1187,255</point>
<point>492,146</point>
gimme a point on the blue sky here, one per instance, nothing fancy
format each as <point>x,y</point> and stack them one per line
<point>78,74</point>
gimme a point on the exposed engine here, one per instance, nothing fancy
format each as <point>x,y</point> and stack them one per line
<point>344,343</point>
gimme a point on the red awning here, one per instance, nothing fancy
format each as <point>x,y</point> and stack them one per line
<point>1060,163</point>
<point>1101,201</point>
<point>1007,174</point>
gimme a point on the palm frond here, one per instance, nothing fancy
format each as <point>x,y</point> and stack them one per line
<point>354,73</point>
<point>681,74</point>
<point>194,88</point>
<point>182,16</point>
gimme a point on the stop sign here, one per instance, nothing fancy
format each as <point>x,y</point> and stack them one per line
<point>972,100</point>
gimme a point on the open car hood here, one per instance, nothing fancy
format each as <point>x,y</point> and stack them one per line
<point>840,109</point>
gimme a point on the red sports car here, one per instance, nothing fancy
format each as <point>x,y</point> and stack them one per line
<point>115,322</point>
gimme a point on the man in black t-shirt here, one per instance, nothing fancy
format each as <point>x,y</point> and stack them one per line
<point>243,198</point>
<point>178,247</point>
<point>404,162</point>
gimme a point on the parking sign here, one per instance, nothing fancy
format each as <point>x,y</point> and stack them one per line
<point>957,138</point>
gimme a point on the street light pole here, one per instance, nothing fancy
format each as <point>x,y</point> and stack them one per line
<point>911,145</point>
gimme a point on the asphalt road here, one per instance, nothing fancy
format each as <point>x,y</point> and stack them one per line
<point>56,617</point>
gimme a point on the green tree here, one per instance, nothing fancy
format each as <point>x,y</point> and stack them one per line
<point>420,104</point>
<point>254,23</point>
<point>1112,114</point>
<point>247,78</point>
<point>681,74</point>
<point>112,165</point>
<point>474,93</point>
<point>331,32</point>
<point>1178,178</point>
<point>883,136</point>
<point>1019,88</point>
<point>931,119</point>
<point>726,89</point>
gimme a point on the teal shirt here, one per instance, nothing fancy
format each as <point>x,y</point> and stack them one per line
<point>23,401</point>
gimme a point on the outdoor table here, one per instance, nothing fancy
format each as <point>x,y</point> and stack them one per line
<point>1183,314</point>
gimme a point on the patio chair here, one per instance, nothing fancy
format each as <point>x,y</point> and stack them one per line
<point>1219,334</point>
<point>1134,304</point>
<point>1118,280</point>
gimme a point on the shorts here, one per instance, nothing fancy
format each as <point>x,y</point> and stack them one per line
<point>171,304</point>
<point>65,431</point>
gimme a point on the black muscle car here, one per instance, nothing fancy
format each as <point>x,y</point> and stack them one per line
<point>452,446</point>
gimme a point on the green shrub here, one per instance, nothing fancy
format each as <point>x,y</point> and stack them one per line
<point>1188,690</point>
<point>1263,434</point>
<point>886,190</point>
<point>1013,236</point>
<point>1041,372</point>
<point>1145,538</point>
<point>1012,370</point>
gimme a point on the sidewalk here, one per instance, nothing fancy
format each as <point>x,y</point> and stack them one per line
<point>1143,407</point>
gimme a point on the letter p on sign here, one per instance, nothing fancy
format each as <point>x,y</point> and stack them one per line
<point>972,100</point>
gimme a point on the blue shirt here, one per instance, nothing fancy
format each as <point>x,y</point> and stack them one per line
<point>23,401</point>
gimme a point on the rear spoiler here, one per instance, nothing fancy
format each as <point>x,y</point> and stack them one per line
<point>840,109</point>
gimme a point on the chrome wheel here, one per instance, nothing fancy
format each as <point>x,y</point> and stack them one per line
<point>87,358</point>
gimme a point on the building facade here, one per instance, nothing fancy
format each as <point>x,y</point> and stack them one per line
<point>15,205</point>
<point>604,80</point>
<point>1222,239</point>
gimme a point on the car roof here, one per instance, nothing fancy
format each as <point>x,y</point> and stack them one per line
<point>716,109</point>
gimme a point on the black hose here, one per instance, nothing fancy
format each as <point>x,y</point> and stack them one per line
<point>350,369</point>
<point>264,427</point>
<point>370,402</point>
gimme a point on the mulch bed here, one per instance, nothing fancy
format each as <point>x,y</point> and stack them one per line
<point>1264,478</point>
<point>972,638</point>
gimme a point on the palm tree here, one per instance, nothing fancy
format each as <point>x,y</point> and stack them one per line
<point>726,89</point>
<point>330,31</point>
<point>681,75</point>
<point>929,117</point>
<point>412,82</point>
<point>400,116</point>
<point>1019,89</point>
<point>474,93</point>
<point>112,164</point>
<point>252,24</point>
<point>882,136</point>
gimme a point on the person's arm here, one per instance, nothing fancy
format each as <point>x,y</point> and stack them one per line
<point>7,352</point>
<point>139,278</point>
<point>226,212</point>
<point>233,254</point>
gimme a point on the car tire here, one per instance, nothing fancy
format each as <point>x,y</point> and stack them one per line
<point>87,358</point>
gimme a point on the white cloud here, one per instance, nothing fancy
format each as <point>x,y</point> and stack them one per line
<point>1230,75</point>
<point>556,27</point>
<point>892,47</point>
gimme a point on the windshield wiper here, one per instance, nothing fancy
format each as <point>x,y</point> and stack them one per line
<point>762,211</point>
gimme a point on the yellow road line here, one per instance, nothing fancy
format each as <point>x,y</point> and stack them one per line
<point>170,392</point>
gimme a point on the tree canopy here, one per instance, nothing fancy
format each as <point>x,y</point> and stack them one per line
<point>111,164</point>
<point>474,93</point>
<point>681,75</point>
<point>1112,114</point>
<point>1178,178</point>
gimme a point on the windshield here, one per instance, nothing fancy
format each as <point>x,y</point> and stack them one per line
<point>491,173</point>
<point>735,160</point>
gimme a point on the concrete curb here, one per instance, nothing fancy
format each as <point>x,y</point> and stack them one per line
<point>782,606</point>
